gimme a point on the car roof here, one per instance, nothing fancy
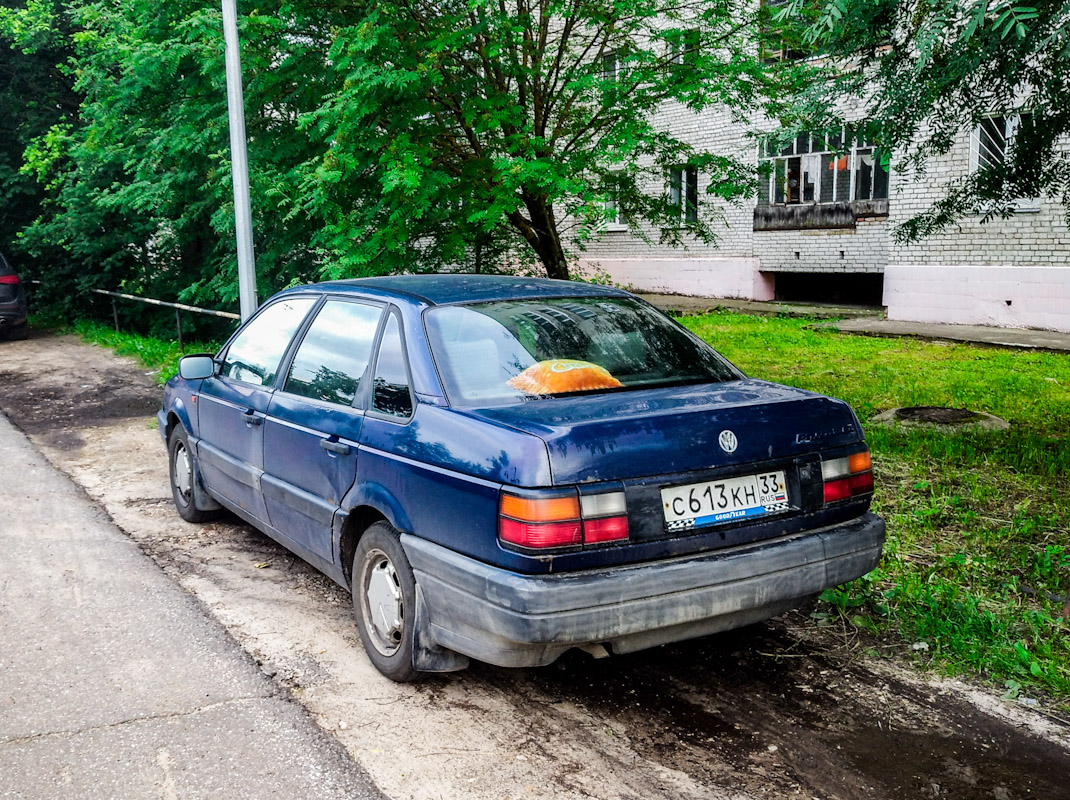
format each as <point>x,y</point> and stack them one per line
<point>464,288</point>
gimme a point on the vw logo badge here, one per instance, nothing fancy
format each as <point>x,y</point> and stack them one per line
<point>728,441</point>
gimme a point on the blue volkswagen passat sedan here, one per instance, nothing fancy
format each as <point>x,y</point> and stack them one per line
<point>507,468</point>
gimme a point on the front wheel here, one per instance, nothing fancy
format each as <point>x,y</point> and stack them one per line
<point>183,474</point>
<point>384,598</point>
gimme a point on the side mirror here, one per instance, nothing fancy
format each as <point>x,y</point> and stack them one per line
<point>196,367</point>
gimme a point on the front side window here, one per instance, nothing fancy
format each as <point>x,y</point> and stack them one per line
<point>255,354</point>
<point>333,357</point>
<point>816,169</point>
<point>390,390</point>
<point>510,350</point>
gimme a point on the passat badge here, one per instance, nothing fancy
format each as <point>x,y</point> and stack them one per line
<point>728,441</point>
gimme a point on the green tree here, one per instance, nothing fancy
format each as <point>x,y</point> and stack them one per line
<point>36,93</point>
<point>455,120</point>
<point>140,181</point>
<point>928,71</point>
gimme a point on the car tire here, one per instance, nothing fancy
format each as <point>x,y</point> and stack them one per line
<point>384,598</point>
<point>183,474</point>
<point>19,332</point>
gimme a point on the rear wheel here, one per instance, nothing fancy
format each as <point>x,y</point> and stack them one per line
<point>183,474</point>
<point>384,598</point>
<point>20,332</point>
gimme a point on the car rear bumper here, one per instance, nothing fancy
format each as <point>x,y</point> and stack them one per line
<point>12,315</point>
<point>515,620</point>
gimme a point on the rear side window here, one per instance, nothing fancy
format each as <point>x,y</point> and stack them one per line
<point>254,356</point>
<point>333,356</point>
<point>390,394</point>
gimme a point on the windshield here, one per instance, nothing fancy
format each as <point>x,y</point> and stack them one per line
<point>492,353</point>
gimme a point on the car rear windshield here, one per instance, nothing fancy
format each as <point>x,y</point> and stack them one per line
<point>504,351</point>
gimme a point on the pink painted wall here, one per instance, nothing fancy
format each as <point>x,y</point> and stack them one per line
<point>1013,297</point>
<point>700,277</point>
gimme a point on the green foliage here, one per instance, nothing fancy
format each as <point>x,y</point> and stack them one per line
<point>383,137</point>
<point>36,95</point>
<point>461,121</point>
<point>140,182</point>
<point>976,565</point>
<point>929,71</point>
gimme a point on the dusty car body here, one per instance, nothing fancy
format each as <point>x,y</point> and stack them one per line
<point>505,468</point>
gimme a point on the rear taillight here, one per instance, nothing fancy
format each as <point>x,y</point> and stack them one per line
<point>564,520</point>
<point>9,279</point>
<point>605,517</point>
<point>847,477</point>
<point>539,522</point>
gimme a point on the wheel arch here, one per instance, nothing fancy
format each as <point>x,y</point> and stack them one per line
<point>358,520</point>
<point>178,414</point>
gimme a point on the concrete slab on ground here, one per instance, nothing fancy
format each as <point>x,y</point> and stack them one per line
<point>684,304</point>
<point>977,334</point>
<point>114,682</point>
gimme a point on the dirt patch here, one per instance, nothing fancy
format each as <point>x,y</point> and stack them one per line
<point>762,712</point>
<point>946,418</point>
<point>938,415</point>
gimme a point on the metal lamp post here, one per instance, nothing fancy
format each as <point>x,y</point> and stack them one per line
<point>239,160</point>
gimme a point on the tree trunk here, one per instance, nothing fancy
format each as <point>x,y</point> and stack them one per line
<point>541,233</point>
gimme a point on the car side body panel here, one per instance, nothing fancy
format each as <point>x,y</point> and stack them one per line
<point>304,489</point>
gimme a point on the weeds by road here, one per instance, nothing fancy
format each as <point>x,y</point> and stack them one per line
<point>977,565</point>
<point>157,354</point>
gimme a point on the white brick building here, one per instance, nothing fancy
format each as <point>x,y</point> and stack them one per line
<point>833,239</point>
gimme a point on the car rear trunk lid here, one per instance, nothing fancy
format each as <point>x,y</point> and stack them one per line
<point>626,435</point>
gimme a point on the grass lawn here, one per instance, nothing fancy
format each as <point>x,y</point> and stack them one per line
<point>976,568</point>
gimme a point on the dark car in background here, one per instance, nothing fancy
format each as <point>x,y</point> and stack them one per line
<point>506,468</point>
<point>13,309</point>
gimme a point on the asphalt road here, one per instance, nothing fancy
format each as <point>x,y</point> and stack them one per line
<point>116,683</point>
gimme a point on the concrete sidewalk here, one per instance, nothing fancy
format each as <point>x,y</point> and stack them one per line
<point>686,304</point>
<point>869,320</point>
<point>1026,338</point>
<point>115,683</point>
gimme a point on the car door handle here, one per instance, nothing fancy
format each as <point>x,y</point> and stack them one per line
<point>335,447</point>
<point>251,418</point>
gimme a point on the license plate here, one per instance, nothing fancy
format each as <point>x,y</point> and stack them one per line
<point>717,502</point>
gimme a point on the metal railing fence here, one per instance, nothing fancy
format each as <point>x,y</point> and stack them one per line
<point>178,307</point>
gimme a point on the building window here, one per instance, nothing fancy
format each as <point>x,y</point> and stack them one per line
<point>991,146</point>
<point>609,67</point>
<point>615,219</point>
<point>993,139</point>
<point>683,192</point>
<point>683,46</point>
<point>782,39</point>
<point>823,169</point>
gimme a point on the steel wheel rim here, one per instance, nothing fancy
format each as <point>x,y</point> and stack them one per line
<point>183,473</point>
<point>382,603</point>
